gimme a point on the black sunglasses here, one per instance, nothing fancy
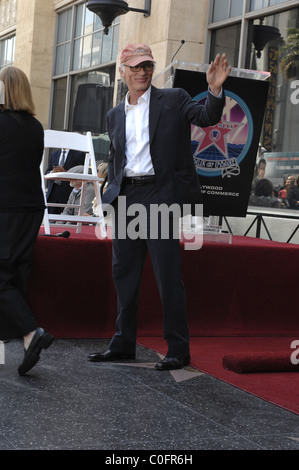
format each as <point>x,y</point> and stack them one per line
<point>146,67</point>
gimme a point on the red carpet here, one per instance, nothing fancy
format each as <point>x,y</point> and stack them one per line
<point>279,388</point>
<point>241,302</point>
<point>260,361</point>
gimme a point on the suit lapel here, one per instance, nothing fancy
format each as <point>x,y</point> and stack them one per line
<point>156,104</point>
<point>121,125</point>
<point>121,137</point>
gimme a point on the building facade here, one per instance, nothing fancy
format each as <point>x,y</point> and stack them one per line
<point>73,66</point>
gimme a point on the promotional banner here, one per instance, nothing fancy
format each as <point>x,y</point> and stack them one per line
<point>225,154</point>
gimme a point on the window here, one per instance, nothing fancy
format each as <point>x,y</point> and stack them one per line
<point>84,71</point>
<point>236,8</point>
<point>224,9</point>
<point>7,51</point>
<point>220,11</point>
<point>258,4</point>
<point>272,46</point>
<point>63,43</point>
<point>276,2</point>
<point>226,40</point>
<point>279,56</point>
<point>59,103</point>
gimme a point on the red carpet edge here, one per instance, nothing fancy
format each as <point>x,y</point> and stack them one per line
<point>207,355</point>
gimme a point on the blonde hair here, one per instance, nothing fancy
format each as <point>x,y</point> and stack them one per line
<point>17,91</point>
<point>103,168</point>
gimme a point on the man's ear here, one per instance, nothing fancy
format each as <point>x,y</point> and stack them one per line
<point>122,74</point>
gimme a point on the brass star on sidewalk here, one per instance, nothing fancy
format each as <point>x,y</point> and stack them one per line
<point>179,375</point>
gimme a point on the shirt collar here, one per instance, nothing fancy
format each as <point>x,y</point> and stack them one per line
<point>145,97</point>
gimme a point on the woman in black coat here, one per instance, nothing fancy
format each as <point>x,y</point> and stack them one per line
<point>21,211</point>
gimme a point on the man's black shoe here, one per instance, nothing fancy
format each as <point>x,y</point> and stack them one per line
<point>172,363</point>
<point>109,356</point>
<point>41,340</point>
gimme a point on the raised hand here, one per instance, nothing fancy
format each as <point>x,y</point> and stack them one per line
<point>58,169</point>
<point>217,73</point>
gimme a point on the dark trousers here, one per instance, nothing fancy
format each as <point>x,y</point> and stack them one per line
<point>128,260</point>
<point>18,232</point>
<point>59,194</point>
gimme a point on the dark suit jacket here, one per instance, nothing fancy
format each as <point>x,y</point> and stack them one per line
<point>21,151</point>
<point>74,158</point>
<point>170,115</point>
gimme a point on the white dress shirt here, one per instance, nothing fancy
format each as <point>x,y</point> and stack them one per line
<point>65,156</point>
<point>138,157</point>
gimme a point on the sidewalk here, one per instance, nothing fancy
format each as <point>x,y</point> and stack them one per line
<point>67,402</point>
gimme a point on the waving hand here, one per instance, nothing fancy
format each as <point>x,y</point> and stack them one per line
<point>217,73</point>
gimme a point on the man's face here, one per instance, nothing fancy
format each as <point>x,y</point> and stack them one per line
<point>261,170</point>
<point>138,81</point>
<point>75,184</point>
<point>291,179</point>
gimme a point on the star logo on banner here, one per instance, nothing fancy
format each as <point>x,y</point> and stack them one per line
<point>217,136</point>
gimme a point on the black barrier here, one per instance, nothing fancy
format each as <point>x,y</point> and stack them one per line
<point>225,154</point>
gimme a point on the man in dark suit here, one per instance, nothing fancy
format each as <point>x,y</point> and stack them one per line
<point>151,163</point>
<point>59,191</point>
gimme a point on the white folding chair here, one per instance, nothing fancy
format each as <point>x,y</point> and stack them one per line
<point>73,141</point>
